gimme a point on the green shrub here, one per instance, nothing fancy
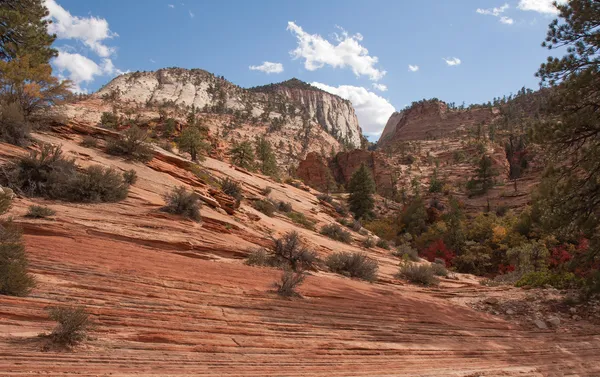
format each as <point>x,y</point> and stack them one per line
<point>183,202</point>
<point>94,184</point>
<point>300,219</point>
<point>39,212</point>
<point>130,177</point>
<point>50,175</point>
<point>132,145</point>
<point>267,190</point>
<point>109,120</point>
<point>406,252</point>
<point>233,189</point>
<point>368,242</point>
<point>341,209</point>
<point>355,265</point>
<point>539,279</point>
<point>290,249</point>
<point>439,269</point>
<point>325,198</point>
<point>264,206</point>
<point>383,244</point>
<point>89,142</point>
<point>418,274</point>
<point>15,279</point>
<point>284,207</point>
<point>73,325</point>
<point>289,282</point>
<point>6,196</point>
<point>334,231</point>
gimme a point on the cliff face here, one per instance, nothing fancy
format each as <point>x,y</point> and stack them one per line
<point>430,120</point>
<point>290,102</point>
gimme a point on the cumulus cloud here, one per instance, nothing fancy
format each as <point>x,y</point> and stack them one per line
<point>497,12</point>
<point>347,52</point>
<point>268,67</point>
<point>413,68</point>
<point>171,6</point>
<point>380,87</point>
<point>92,31</point>
<point>372,110</point>
<point>452,61</point>
<point>540,6</point>
<point>152,60</point>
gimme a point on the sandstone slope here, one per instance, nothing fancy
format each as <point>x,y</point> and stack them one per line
<point>173,298</point>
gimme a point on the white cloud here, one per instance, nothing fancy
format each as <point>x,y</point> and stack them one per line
<point>372,110</point>
<point>452,61</point>
<point>81,69</point>
<point>493,11</point>
<point>540,6</point>
<point>92,31</point>
<point>171,6</point>
<point>497,12</point>
<point>152,61</point>
<point>267,67</point>
<point>380,87</point>
<point>192,15</point>
<point>348,52</point>
<point>413,68</point>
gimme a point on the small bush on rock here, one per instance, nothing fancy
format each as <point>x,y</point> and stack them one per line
<point>260,257</point>
<point>300,219</point>
<point>290,249</point>
<point>383,244</point>
<point>334,231</point>
<point>284,207</point>
<point>264,206</point>
<point>73,325</point>
<point>233,189</point>
<point>15,279</point>
<point>368,243</point>
<point>289,282</point>
<point>130,177</point>
<point>183,202</point>
<point>89,142</point>
<point>418,274</point>
<point>132,145</point>
<point>355,265</point>
<point>406,252</point>
<point>325,198</point>
<point>39,212</point>
<point>439,269</point>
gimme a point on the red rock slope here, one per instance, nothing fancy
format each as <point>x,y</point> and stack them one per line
<point>173,298</point>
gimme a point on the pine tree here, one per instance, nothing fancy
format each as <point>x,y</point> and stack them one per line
<point>242,155</point>
<point>266,157</point>
<point>361,188</point>
<point>192,141</point>
<point>484,179</point>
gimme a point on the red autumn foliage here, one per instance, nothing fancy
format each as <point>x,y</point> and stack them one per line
<point>505,268</point>
<point>559,256</point>
<point>438,249</point>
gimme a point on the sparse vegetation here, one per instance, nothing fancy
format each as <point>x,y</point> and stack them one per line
<point>418,274</point>
<point>284,207</point>
<point>406,252</point>
<point>325,198</point>
<point>130,177</point>
<point>383,244</point>
<point>73,325</point>
<point>355,265</point>
<point>15,280</point>
<point>14,129</point>
<point>233,189</point>
<point>368,243</point>
<point>260,257</point>
<point>290,249</point>
<point>264,206</point>
<point>439,269</point>
<point>109,120</point>
<point>39,212</point>
<point>132,145</point>
<point>300,219</point>
<point>290,280</point>
<point>89,142</point>
<point>334,231</point>
<point>183,202</point>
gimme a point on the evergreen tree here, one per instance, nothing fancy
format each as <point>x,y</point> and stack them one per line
<point>242,155</point>
<point>361,188</point>
<point>266,157</point>
<point>192,141</point>
<point>484,179</point>
<point>571,189</point>
<point>25,73</point>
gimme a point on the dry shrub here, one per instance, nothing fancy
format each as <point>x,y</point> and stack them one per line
<point>418,273</point>
<point>14,129</point>
<point>182,202</point>
<point>290,249</point>
<point>264,206</point>
<point>73,325</point>
<point>290,280</point>
<point>355,265</point>
<point>39,212</point>
<point>334,231</point>
<point>132,145</point>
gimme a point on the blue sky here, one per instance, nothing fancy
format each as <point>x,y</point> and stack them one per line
<point>351,48</point>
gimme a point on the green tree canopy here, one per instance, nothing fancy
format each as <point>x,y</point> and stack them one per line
<point>266,157</point>
<point>192,141</point>
<point>361,188</point>
<point>242,155</point>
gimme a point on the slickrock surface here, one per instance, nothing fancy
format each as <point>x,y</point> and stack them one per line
<point>173,298</point>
